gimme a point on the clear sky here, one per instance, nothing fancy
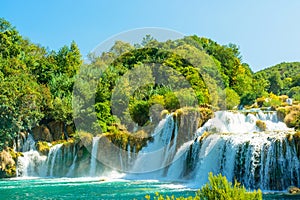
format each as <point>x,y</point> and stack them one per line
<point>267,31</point>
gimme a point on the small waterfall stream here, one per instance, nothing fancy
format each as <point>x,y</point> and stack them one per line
<point>94,156</point>
<point>54,159</point>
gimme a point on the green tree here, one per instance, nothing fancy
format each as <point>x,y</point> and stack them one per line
<point>20,106</point>
<point>275,83</point>
<point>229,99</point>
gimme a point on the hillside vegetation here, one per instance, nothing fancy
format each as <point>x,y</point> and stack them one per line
<point>135,85</point>
<point>282,79</point>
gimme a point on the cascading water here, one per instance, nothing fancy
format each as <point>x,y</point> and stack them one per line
<point>161,151</point>
<point>31,160</point>
<point>54,159</point>
<point>235,147</point>
<point>236,122</point>
<point>258,160</point>
<point>94,156</point>
<point>56,163</point>
<point>231,143</point>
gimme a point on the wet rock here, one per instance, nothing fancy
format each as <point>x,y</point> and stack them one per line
<point>57,130</point>
<point>42,133</point>
<point>294,190</point>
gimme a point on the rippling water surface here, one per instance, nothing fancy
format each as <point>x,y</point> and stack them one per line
<point>96,188</point>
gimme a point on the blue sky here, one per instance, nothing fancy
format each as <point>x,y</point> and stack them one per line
<point>267,32</point>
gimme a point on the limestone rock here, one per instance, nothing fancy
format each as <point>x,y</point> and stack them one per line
<point>42,133</point>
<point>294,190</point>
<point>57,130</point>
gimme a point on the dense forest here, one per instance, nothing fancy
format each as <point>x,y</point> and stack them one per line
<point>283,78</point>
<point>37,84</point>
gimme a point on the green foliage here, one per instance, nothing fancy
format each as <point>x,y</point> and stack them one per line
<point>139,112</point>
<point>281,78</point>
<point>294,93</point>
<point>121,138</point>
<point>219,188</point>
<point>21,102</point>
<point>229,100</point>
<point>35,84</point>
<point>272,101</point>
<point>275,83</point>
<point>43,147</point>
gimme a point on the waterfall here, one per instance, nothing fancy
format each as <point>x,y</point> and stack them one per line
<point>30,163</point>
<point>236,122</point>
<point>29,144</point>
<point>58,162</point>
<point>231,143</point>
<point>257,160</point>
<point>159,153</point>
<point>94,156</point>
<point>54,159</point>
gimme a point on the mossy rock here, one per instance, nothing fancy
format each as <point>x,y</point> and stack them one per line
<point>290,115</point>
<point>261,125</point>
<point>43,147</point>
<point>293,190</point>
<point>164,113</point>
<point>8,159</point>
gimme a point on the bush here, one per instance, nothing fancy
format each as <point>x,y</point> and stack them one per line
<point>294,93</point>
<point>219,188</point>
<point>229,99</point>
<point>139,112</point>
<point>272,101</point>
<point>290,115</point>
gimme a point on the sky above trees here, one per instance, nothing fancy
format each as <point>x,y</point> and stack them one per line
<point>267,32</point>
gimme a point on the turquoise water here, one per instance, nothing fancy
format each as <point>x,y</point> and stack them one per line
<point>94,188</point>
<point>86,188</point>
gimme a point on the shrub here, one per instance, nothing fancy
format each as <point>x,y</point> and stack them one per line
<point>292,118</point>
<point>282,112</point>
<point>272,101</point>
<point>229,99</point>
<point>219,188</point>
<point>283,98</point>
<point>139,112</point>
<point>294,93</point>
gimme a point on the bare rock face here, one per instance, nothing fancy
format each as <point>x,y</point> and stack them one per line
<point>42,133</point>
<point>293,190</point>
<point>57,130</point>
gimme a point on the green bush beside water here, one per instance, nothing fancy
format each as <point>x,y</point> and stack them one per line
<point>218,188</point>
